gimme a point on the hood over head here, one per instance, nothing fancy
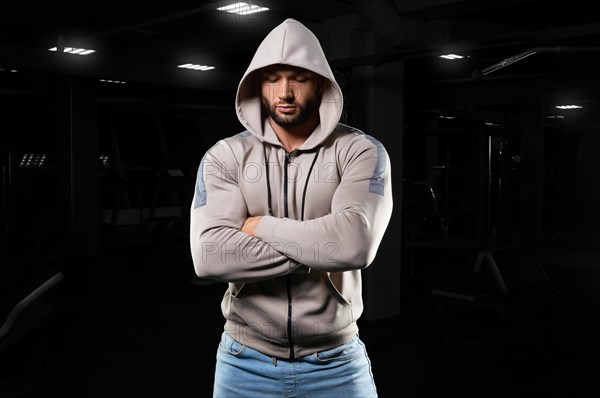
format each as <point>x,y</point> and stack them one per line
<point>290,43</point>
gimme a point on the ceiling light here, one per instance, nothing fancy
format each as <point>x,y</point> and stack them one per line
<point>196,67</point>
<point>451,56</point>
<point>242,8</point>
<point>73,50</point>
<point>31,160</point>
<point>4,69</point>
<point>104,160</point>
<point>569,106</point>
<point>112,81</point>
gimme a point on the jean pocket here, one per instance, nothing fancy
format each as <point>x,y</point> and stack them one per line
<point>344,352</point>
<point>229,346</point>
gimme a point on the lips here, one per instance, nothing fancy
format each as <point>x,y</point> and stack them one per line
<point>286,108</point>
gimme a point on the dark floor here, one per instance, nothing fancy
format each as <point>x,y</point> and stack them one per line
<point>130,322</point>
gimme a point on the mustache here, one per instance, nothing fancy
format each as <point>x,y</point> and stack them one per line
<point>287,101</point>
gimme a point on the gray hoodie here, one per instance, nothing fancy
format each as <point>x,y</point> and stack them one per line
<point>294,288</point>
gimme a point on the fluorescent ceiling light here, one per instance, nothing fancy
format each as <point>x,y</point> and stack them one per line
<point>451,56</point>
<point>196,67</point>
<point>30,160</point>
<point>242,8</point>
<point>569,106</point>
<point>112,81</point>
<point>104,160</point>
<point>73,50</point>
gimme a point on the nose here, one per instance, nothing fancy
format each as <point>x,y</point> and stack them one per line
<point>286,91</point>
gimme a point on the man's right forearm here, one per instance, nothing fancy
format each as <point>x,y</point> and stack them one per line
<point>230,255</point>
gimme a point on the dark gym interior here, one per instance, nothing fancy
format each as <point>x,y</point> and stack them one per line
<point>486,283</point>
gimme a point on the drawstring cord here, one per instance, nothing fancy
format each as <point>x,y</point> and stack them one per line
<point>306,183</point>
<point>269,200</point>
<point>268,180</point>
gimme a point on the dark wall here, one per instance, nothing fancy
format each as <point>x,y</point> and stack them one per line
<point>538,182</point>
<point>82,158</point>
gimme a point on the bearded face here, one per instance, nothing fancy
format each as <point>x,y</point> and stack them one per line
<point>290,95</point>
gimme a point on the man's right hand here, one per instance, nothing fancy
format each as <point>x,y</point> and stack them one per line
<point>250,224</point>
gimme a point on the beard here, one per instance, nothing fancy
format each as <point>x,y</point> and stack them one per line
<point>304,111</point>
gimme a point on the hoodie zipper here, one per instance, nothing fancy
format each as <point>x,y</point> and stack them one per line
<point>288,288</point>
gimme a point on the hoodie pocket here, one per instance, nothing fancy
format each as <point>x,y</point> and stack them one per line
<point>259,308</point>
<point>334,280</point>
<point>236,288</point>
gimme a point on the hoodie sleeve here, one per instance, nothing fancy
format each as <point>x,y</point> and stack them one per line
<point>349,237</point>
<point>220,250</point>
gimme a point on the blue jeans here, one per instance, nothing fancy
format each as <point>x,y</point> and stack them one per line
<point>343,371</point>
